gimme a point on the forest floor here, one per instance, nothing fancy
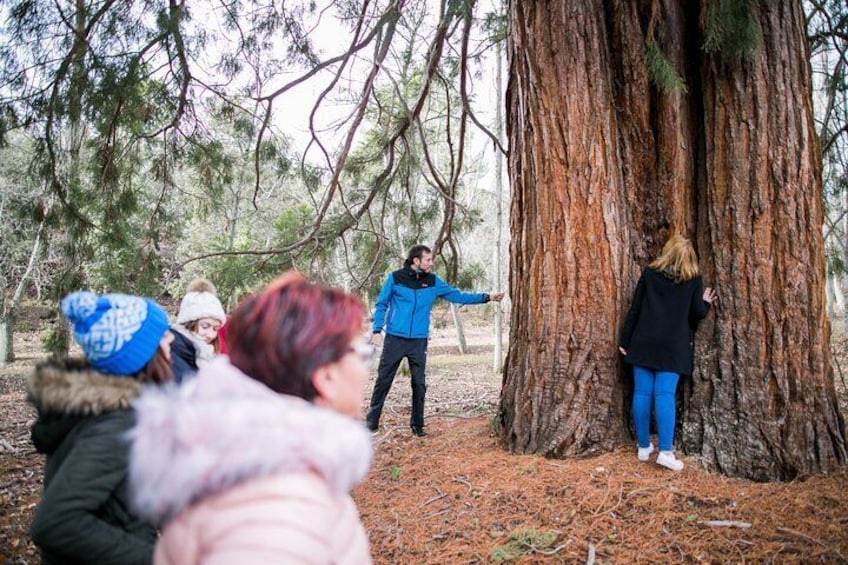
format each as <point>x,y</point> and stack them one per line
<point>457,497</point>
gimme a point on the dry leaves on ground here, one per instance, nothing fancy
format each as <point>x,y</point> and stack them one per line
<point>457,497</point>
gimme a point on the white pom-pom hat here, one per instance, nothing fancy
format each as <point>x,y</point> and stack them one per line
<point>200,302</point>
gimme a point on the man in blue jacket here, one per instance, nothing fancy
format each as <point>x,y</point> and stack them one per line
<point>403,310</point>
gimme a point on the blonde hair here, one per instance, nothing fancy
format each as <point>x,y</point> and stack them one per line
<point>678,257</point>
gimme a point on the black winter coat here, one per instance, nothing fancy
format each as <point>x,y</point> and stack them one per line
<point>84,515</point>
<point>659,331</point>
<point>183,357</point>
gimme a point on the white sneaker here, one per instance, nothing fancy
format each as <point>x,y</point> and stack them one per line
<point>643,453</point>
<point>667,460</point>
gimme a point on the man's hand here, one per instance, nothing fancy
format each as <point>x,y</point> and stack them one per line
<point>377,339</point>
<point>496,297</point>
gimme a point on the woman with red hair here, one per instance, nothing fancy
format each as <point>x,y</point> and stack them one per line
<point>253,460</point>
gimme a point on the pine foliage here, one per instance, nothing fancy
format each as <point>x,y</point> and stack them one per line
<point>662,72</point>
<point>732,28</point>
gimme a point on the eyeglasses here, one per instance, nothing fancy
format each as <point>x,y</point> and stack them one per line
<point>366,351</point>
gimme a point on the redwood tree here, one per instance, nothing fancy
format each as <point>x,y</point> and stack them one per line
<point>763,403</point>
<point>569,235</point>
<point>631,121</point>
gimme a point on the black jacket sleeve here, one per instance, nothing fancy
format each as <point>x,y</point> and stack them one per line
<point>633,313</point>
<point>698,307</point>
<point>67,524</point>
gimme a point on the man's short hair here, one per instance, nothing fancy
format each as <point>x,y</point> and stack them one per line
<point>416,252</point>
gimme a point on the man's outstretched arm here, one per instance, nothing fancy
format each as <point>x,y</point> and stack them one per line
<point>444,290</point>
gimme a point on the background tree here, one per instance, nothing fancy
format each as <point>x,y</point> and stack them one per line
<point>127,101</point>
<point>25,211</point>
<point>827,30</point>
<point>86,95</point>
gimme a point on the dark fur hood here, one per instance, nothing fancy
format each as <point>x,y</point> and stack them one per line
<point>67,392</point>
<point>73,387</point>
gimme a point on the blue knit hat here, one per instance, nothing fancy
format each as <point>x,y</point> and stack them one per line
<point>118,333</point>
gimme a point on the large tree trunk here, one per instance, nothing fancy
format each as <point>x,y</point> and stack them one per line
<point>657,135</point>
<point>763,404</point>
<point>604,167</point>
<point>656,131</point>
<point>569,242</point>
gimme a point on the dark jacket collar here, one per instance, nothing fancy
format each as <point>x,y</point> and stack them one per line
<point>413,273</point>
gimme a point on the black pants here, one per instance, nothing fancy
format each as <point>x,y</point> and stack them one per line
<point>394,350</point>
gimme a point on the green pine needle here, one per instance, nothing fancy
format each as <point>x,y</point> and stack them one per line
<point>661,71</point>
<point>732,28</point>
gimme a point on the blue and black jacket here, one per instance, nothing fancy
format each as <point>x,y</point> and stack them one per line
<point>406,299</point>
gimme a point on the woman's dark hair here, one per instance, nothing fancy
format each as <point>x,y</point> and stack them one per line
<point>157,371</point>
<point>280,336</point>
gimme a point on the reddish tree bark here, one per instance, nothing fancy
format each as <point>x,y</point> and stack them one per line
<point>604,166</point>
<point>763,403</point>
<point>568,251</point>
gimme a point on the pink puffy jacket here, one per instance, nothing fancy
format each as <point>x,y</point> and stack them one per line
<point>239,474</point>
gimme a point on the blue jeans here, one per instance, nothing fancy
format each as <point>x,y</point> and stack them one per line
<point>659,386</point>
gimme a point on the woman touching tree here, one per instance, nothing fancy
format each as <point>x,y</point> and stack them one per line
<point>658,340</point>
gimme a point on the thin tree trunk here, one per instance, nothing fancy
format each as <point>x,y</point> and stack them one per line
<point>497,361</point>
<point>844,247</point>
<point>835,296</point>
<point>460,333</point>
<point>5,333</point>
<point>7,329</point>
<point>7,353</point>
<point>10,309</point>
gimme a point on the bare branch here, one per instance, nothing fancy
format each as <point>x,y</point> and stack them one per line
<point>826,145</point>
<point>433,58</point>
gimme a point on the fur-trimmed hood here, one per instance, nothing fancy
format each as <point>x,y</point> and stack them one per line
<point>222,429</point>
<point>72,386</point>
<point>65,391</point>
